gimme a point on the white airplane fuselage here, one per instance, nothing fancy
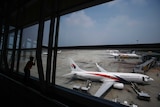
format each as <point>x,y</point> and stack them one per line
<point>125,55</point>
<point>119,77</point>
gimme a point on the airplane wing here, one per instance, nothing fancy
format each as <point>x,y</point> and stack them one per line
<point>100,68</point>
<point>104,87</point>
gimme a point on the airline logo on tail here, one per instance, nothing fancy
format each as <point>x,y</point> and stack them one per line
<point>73,66</point>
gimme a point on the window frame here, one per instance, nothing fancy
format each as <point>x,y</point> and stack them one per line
<point>61,93</point>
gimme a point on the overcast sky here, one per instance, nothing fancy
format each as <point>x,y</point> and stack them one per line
<point>117,22</point>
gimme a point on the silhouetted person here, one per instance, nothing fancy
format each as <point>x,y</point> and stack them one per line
<point>27,68</point>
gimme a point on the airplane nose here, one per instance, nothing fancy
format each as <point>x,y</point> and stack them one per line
<point>151,79</point>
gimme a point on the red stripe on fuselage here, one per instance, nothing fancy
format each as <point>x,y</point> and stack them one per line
<point>106,76</point>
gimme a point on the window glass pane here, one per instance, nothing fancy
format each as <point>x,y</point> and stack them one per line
<point>46,33</point>
<point>25,57</point>
<point>18,39</point>
<point>2,28</point>
<point>29,39</point>
<point>10,40</point>
<point>1,42</point>
<point>116,23</point>
<point>9,58</point>
<point>115,68</point>
<point>44,59</point>
<point>11,27</point>
<point>45,48</point>
<point>15,60</point>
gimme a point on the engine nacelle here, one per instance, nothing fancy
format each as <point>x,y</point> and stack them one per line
<point>118,86</point>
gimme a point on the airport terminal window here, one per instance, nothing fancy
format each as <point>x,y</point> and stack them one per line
<point>46,33</point>
<point>25,55</point>
<point>120,24</point>
<point>11,53</point>
<point>29,38</point>
<point>93,39</point>
<point>11,27</point>
<point>9,58</point>
<point>10,40</point>
<point>10,48</point>
<point>2,29</point>
<point>18,39</point>
<point>1,42</point>
<point>16,51</point>
<point>29,42</point>
<point>28,46</point>
<point>15,61</point>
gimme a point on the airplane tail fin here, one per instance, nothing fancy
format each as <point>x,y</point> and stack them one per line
<point>133,52</point>
<point>74,66</point>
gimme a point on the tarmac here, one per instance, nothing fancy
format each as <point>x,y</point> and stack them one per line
<point>86,60</point>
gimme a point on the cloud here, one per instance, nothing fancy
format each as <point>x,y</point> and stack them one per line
<point>139,2</point>
<point>121,29</point>
<point>123,2</point>
<point>80,19</point>
<point>122,20</point>
<point>114,3</point>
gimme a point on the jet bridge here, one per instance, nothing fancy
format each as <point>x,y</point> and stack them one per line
<point>144,67</point>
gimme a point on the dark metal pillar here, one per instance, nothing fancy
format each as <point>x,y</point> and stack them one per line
<point>19,50</point>
<point>50,48</point>
<point>1,37</point>
<point>5,36</point>
<point>39,47</point>
<point>55,50</point>
<point>14,49</point>
<point>20,18</point>
<point>4,47</point>
<point>1,29</point>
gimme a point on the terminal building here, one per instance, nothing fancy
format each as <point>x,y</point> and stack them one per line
<point>16,45</point>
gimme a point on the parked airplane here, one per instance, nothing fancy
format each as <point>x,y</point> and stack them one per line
<point>109,79</point>
<point>119,55</point>
<point>46,53</point>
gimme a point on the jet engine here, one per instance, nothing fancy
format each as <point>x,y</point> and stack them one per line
<point>118,86</point>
